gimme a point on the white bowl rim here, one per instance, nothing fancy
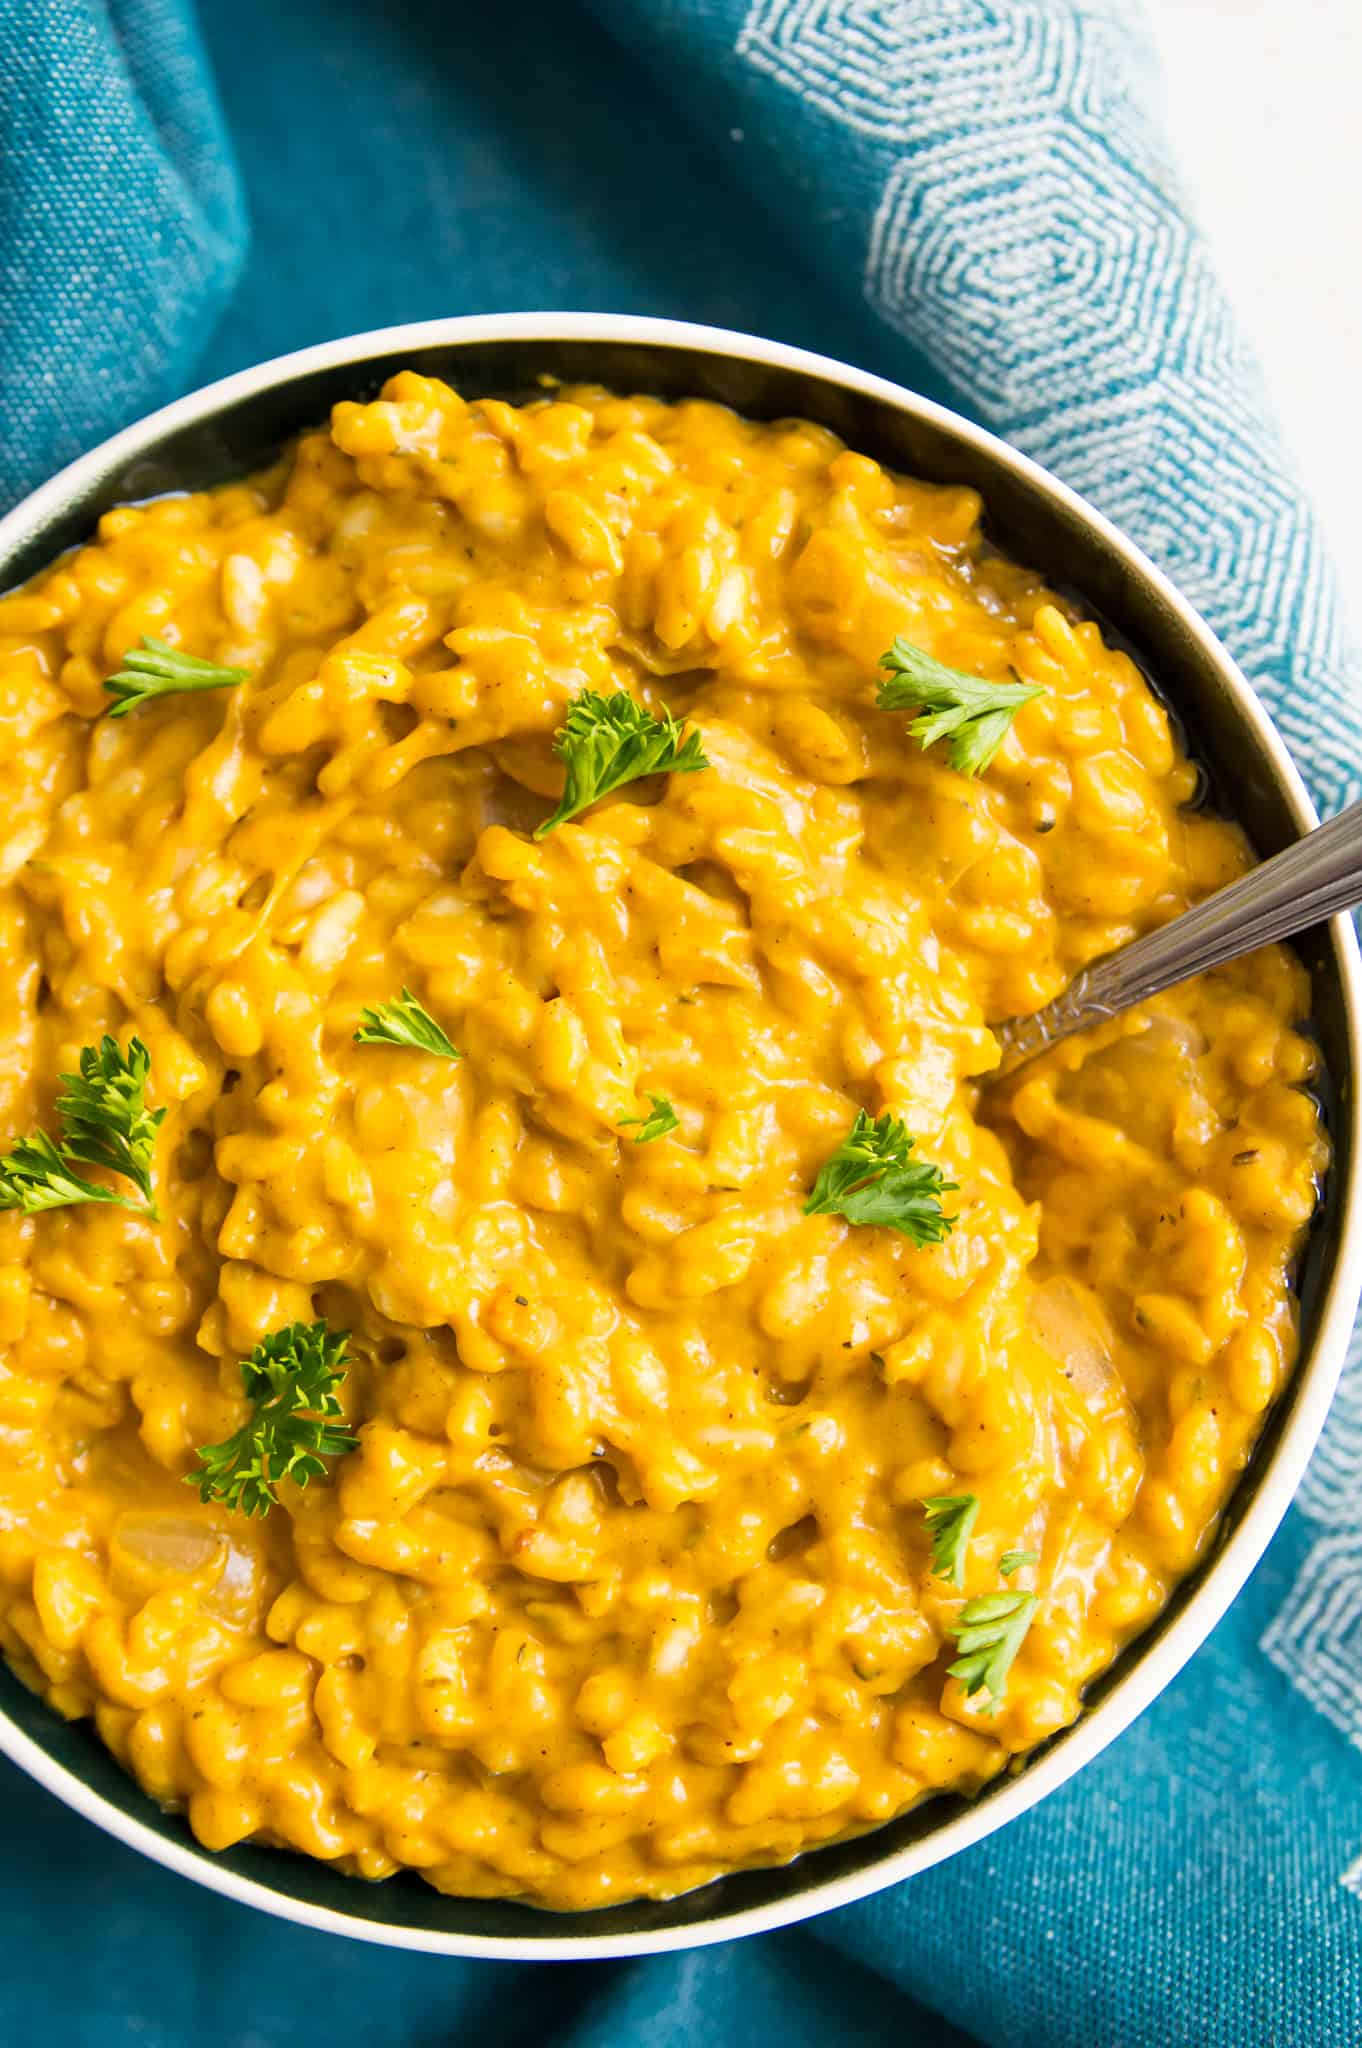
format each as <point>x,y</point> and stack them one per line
<point>1274,1487</point>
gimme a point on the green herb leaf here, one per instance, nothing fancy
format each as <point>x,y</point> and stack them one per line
<point>871,1178</point>
<point>661,1119</point>
<point>972,714</point>
<point>291,1379</point>
<point>1013,1560</point>
<point>951,1518</point>
<point>404,1023</point>
<point>154,669</point>
<point>989,1633</point>
<point>104,1116</point>
<point>608,741</point>
<point>34,1176</point>
<point>104,1122</point>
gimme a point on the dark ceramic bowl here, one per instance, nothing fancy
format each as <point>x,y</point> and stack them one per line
<point>240,424</point>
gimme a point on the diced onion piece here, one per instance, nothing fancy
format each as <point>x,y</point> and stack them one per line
<point>1072,1330</point>
<point>232,1595</point>
<point>150,1551</point>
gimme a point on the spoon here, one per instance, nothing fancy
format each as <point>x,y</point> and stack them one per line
<point>1312,880</point>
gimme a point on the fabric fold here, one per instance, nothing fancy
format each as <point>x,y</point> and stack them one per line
<point>122,226</point>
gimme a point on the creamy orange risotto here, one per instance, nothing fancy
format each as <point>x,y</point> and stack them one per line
<point>579,1389</point>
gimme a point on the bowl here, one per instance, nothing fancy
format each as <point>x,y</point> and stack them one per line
<point>238,424</point>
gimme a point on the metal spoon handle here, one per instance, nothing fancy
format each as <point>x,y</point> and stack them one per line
<point>1312,880</point>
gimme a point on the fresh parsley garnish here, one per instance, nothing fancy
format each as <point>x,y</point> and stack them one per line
<point>290,1379</point>
<point>104,1116</point>
<point>154,669</point>
<point>104,1121</point>
<point>608,741</point>
<point>404,1023</point>
<point>871,1178</point>
<point>661,1119</point>
<point>951,1518</point>
<point>1013,1560</point>
<point>972,714</point>
<point>988,1634</point>
<point>34,1176</point>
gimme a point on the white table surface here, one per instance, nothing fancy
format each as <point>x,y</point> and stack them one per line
<point>1264,100</point>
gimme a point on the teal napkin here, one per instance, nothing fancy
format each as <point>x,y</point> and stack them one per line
<point>970,195</point>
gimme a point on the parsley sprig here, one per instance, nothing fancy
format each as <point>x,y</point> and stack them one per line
<point>871,1178</point>
<point>104,1121</point>
<point>290,1379</point>
<point>973,714</point>
<point>608,741</point>
<point>951,1518</point>
<point>35,1176</point>
<point>104,1116</point>
<point>404,1022</point>
<point>155,669</point>
<point>988,1634</point>
<point>660,1120</point>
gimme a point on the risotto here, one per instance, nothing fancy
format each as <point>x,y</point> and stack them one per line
<point>527,1353</point>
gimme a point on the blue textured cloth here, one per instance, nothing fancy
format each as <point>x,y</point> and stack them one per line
<point>970,195</point>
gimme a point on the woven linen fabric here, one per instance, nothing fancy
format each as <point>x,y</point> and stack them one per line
<point>973,196</point>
